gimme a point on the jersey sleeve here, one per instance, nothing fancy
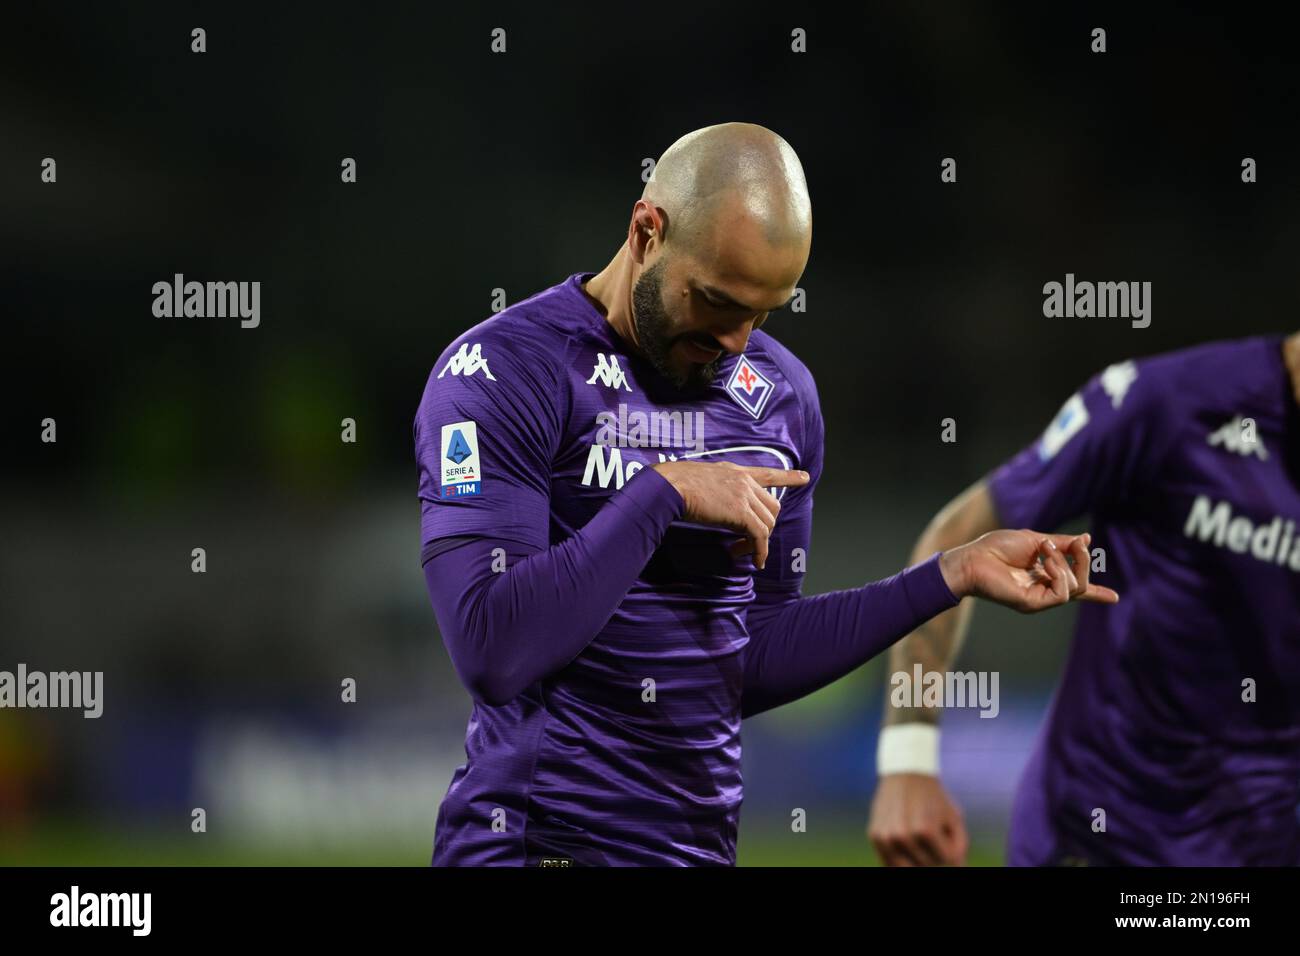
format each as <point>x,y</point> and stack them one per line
<point>1107,440</point>
<point>512,606</point>
<point>782,578</point>
<point>486,433</point>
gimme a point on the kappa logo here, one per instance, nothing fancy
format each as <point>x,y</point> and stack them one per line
<point>749,387</point>
<point>467,361</point>
<point>609,373</point>
<point>1117,379</point>
<point>1239,436</point>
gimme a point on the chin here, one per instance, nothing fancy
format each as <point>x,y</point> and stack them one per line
<point>700,377</point>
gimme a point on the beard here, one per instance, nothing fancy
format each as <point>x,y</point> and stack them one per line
<point>652,332</point>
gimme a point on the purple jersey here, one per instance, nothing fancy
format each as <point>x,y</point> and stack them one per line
<point>1177,720</point>
<point>613,648</point>
<point>564,423</point>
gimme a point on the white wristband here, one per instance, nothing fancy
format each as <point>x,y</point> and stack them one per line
<point>908,748</point>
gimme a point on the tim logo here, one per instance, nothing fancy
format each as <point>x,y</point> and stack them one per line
<point>609,373</point>
<point>749,387</point>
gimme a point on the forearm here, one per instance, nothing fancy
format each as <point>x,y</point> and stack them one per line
<point>507,628</point>
<point>935,644</point>
<point>801,645</point>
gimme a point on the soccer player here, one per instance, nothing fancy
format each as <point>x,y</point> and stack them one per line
<point>1178,715</point>
<point>616,478</point>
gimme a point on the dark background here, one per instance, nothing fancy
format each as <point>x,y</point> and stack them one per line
<point>479,171</point>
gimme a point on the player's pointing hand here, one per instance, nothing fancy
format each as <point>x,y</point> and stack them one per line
<point>732,496</point>
<point>1025,570</point>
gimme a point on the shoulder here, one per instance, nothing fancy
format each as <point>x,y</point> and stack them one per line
<point>1186,381</point>
<point>791,368</point>
<point>510,368</point>
<point>526,339</point>
<point>796,396</point>
<point>1225,374</point>
<point>525,348</point>
<point>791,374</point>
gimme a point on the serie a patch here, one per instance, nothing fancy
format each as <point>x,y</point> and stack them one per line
<point>1069,422</point>
<point>462,474</point>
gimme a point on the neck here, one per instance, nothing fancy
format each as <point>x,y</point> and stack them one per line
<point>611,289</point>
<point>1291,358</point>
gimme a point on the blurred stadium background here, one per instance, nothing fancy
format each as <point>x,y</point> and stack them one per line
<point>477,172</point>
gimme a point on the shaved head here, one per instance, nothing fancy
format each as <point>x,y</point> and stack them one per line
<point>720,172</point>
<point>717,241</point>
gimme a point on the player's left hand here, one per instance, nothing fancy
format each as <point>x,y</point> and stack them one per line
<point>1025,570</point>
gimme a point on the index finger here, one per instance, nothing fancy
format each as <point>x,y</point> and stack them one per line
<point>776,477</point>
<point>1064,542</point>
<point>1099,595</point>
<point>1082,562</point>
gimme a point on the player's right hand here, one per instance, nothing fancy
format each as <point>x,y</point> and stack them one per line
<point>733,497</point>
<point>915,823</point>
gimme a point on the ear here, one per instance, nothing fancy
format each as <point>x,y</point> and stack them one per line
<point>646,226</point>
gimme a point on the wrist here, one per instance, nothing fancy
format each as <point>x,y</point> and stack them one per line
<point>665,470</point>
<point>654,497</point>
<point>908,748</point>
<point>956,571</point>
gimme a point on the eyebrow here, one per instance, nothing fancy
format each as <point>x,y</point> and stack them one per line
<point>728,300</point>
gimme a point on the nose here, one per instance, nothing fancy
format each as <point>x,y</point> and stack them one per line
<point>734,338</point>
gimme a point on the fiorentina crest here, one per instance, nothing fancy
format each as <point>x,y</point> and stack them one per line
<point>749,387</point>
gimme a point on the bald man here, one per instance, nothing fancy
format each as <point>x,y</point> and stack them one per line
<point>617,478</point>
